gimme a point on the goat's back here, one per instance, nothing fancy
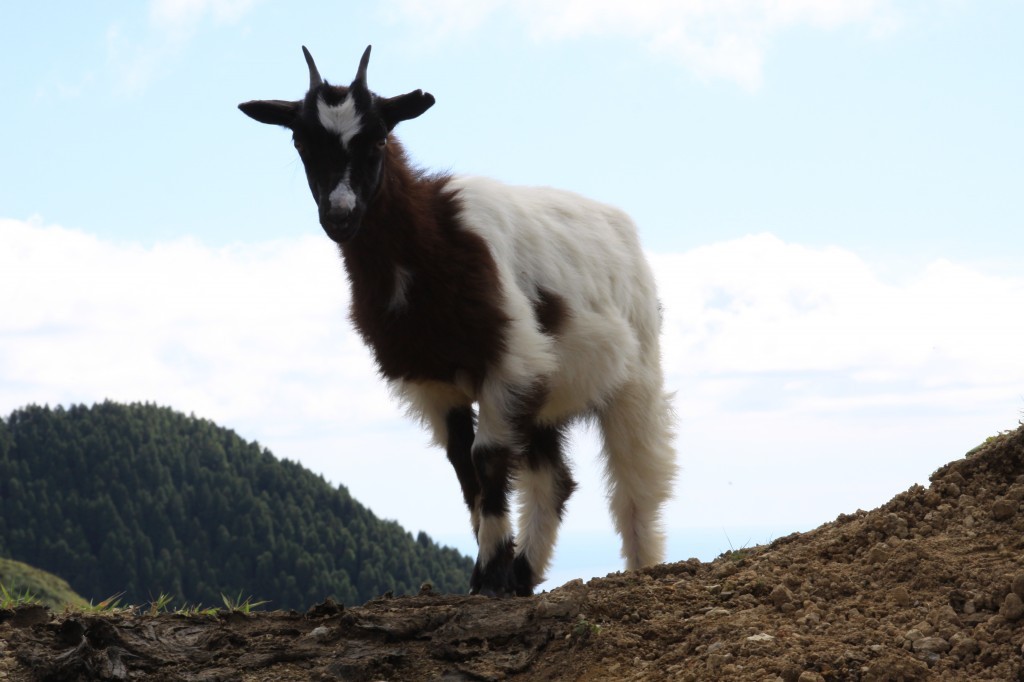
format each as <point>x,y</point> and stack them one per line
<point>553,243</point>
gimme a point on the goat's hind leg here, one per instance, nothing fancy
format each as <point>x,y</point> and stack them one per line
<point>640,467</point>
<point>545,484</point>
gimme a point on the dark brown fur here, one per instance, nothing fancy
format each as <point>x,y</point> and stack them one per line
<point>453,318</point>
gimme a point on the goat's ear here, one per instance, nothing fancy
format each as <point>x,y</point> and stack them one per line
<point>272,111</point>
<point>394,110</point>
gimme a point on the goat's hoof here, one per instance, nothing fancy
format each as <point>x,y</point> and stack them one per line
<point>496,578</point>
<point>522,580</point>
<point>493,589</point>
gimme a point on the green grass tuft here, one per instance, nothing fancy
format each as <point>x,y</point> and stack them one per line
<point>236,605</point>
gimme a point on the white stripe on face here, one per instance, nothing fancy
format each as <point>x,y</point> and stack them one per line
<point>342,195</point>
<point>341,119</point>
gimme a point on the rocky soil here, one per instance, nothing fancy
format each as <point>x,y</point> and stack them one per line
<point>930,586</point>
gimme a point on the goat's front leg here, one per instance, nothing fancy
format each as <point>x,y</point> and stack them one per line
<point>495,449</point>
<point>459,445</point>
<point>493,574</point>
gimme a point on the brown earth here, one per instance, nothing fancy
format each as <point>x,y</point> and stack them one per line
<point>927,587</point>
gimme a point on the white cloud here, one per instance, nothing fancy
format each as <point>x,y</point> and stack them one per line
<point>136,61</point>
<point>807,386</point>
<point>177,15</point>
<point>231,333</point>
<point>758,307</point>
<point>723,39</point>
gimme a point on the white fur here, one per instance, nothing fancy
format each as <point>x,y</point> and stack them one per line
<point>342,195</point>
<point>603,360</point>
<point>636,426</point>
<point>538,517</point>
<point>430,402</point>
<point>341,119</point>
<point>493,534</point>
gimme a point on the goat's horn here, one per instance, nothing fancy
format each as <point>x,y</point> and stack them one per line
<point>314,76</point>
<point>361,73</point>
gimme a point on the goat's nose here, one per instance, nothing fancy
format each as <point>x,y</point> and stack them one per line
<point>338,214</point>
<point>334,215</point>
<point>339,222</point>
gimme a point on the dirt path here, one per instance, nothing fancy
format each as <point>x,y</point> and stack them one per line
<point>930,586</point>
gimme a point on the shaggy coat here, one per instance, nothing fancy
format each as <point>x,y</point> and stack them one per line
<point>498,315</point>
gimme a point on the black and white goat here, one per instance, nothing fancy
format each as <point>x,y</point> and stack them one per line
<point>534,304</point>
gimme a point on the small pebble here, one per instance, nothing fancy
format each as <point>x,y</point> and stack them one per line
<point>321,633</point>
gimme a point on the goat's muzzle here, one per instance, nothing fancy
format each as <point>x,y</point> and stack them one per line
<point>340,224</point>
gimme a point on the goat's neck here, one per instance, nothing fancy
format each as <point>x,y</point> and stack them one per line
<point>399,225</point>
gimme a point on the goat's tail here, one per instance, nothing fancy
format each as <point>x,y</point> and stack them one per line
<point>640,467</point>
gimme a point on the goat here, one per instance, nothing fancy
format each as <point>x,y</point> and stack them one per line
<point>535,305</point>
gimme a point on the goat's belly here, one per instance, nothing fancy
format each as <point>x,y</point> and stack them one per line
<point>595,356</point>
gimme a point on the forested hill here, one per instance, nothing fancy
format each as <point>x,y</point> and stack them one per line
<point>147,501</point>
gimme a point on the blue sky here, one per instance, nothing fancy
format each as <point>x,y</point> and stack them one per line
<point>830,192</point>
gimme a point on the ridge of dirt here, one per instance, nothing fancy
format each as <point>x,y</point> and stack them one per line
<point>929,586</point>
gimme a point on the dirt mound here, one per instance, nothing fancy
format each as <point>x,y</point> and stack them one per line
<point>929,586</point>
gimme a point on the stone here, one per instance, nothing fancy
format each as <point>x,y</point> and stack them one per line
<point>780,595</point>
<point>1012,608</point>
<point>878,554</point>
<point>810,676</point>
<point>913,635</point>
<point>1003,509</point>
<point>1018,585</point>
<point>925,627</point>
<point>945,614</point>
<point>322,633</point>
<point>931,645</point>
<point>968,646</point>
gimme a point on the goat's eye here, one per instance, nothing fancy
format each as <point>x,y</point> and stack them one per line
<point>381,143</point>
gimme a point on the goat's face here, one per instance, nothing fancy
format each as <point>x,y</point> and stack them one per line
<point>341,135</point>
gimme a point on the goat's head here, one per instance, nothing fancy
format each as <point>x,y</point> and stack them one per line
<point>341,134</point>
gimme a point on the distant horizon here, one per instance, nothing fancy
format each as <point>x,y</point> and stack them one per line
<point>588,554</point>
